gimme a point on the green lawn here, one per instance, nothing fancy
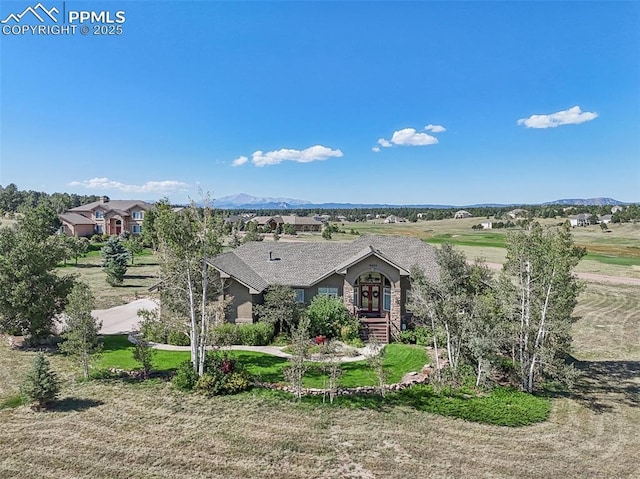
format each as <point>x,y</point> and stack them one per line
<point>400,359</point>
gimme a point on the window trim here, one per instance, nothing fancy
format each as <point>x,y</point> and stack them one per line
<point>99,214</point>
<point>328,291</point>
<point>299,292</point>
<point>133,229</point>
<point>386,293</point>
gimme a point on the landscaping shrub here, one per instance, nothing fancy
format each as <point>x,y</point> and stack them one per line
<point>327,316</point>
<point>350,331</point>
<point>185,378</point>
<point>222,376</point>
<point>226,334</point>
<point>178,338</point>
<point>257,334</point>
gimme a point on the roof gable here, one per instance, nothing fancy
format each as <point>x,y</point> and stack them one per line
<point>260,264</point>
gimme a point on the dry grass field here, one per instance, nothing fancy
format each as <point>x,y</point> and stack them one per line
<point>114,429</point>
<point>139,278</point>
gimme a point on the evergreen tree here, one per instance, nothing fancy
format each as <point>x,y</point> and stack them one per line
<point>40,384</point>
<point>114,260</point>
<point>31,293</point>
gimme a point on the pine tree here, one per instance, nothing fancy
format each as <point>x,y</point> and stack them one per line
<point>40,384</point>
<point>114,260</point>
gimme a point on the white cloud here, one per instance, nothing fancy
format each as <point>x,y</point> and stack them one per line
<point>435,128</point>
<point>376,149</point>
<point>104,183</point>
<point>572,116</point>
<point>239,161</point>
<point>313,153</point>
<point>409,136</point>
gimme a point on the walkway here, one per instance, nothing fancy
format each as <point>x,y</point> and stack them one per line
<point>364,353</point>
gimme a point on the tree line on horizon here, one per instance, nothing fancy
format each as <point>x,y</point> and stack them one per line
<point>13,200</point>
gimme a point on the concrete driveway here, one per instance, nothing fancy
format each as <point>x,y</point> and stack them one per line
<point>122,319</point>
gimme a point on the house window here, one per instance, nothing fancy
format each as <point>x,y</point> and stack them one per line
<point>137,229</point>
<point>299,295</point>
<point>330,292</point>
<point>99,215</point>
<point>138,215</point>
<point>386,299</point>
<point>356,296</point>
<point>99,229</point>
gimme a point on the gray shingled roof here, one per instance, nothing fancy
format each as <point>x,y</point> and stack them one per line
<point>303,264</point>
<point>76,219</point>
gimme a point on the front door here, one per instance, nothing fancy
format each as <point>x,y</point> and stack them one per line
<point>370,299</point>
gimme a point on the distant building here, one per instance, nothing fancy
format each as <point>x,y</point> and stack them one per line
<point>579,220</point>
<point>105,217</point>
<point>462,214</point>
<point>394,219</point>
<point>606,219</point>
<point>617,208</point>
<point>488,225</point>
<point>518,213</point>
<point>300,223</point>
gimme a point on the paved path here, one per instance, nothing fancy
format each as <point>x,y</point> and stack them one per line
<point>122,319</point>
<point>271,350</point>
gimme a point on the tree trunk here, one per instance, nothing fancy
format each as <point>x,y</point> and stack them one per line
<point>193,333</point>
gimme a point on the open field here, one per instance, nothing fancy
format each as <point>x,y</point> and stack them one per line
<point>139,278</point>
<point>616,253</point>
<point>115,429</point>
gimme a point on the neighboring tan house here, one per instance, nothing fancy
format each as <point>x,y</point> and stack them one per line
<point>105,217</point>
<point>300,223</point>
<point>394,219</point>
<point>370,274</point>
<point>518,213</point>
<point>580,220</point>
<point>462,214</point>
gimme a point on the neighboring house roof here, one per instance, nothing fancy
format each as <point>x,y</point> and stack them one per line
<point>290,219</point>
<point>76,219</point>
<point>462,213</point>
<point>605,217</point>
<point>304,264</point>
<point>120,205</point>
<point>299,220</point>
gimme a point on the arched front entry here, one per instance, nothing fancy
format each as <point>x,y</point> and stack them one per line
<point>372,294</point>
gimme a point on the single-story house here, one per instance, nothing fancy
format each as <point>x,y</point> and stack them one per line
<point>606,219</point>
<point>394,219</point>
<point>580,220</point>
<point>462,214</point>
<point>105,216</point>
<point>370,274</point>
<point>616,208</point>
<point>300,223</point>
<point>487,225</point>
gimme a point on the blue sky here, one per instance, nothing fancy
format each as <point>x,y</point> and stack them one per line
<point>300,95</point>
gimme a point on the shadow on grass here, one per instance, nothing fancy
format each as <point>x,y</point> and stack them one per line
<point>605,383</point>
<point>139,276</point>
<point>266,368</point>
<point>74,404</point>
<point>116,342</point>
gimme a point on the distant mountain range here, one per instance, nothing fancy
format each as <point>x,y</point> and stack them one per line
<point>586,202</point>
<point>246,202</point>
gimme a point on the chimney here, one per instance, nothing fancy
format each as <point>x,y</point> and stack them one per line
<point>104,199</point>
<point>270,257</point>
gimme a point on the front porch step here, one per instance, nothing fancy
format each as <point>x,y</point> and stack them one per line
<point>374,327</point>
